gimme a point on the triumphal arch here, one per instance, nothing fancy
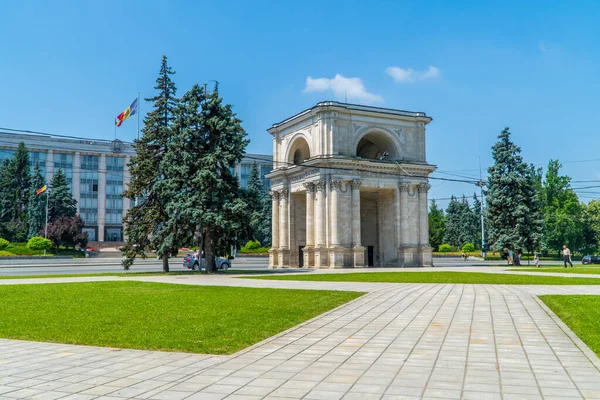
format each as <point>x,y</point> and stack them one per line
<point>349,188</point>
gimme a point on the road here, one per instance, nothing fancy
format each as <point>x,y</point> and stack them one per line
<point>103,265</point>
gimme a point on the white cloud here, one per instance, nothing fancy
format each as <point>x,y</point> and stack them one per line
<point>409,75</point>
<point>342,87</point>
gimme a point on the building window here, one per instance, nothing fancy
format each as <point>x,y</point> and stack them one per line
<point>88,189</point>
<point>91,234</point>
<point>64,161</point>
<point>265,169</point>
<point>38,157</point>
<point>113,235</point>
<point>6,153</point>
<point>244,175</point>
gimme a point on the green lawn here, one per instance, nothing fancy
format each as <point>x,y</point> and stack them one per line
<point>135,274</point>
<point>581,313</point>
<point>157,316</point>
<point>438,277</point>
<point>563,270</point>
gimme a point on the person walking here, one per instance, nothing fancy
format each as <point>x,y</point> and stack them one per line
<point>567,256</point>
<point>536,261</point>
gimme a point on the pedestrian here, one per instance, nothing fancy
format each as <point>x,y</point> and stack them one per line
<point>567,256</point>
<point>510,257</point>
<point>536,261</point>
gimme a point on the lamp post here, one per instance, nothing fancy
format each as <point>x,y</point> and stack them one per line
<point>481,184</point>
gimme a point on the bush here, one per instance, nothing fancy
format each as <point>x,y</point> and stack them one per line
<point>468,247</point>
<point>4,244</point>
<point>38,243</point>
<point>445,248</point>
<point>251,245</point>
<point>4,253</point>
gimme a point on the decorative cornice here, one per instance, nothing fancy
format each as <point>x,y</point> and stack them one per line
<point>335,184</point>
<point>423,187</point>
<point>310,187</point>
<point>274,195</point>
<point>404,187</point>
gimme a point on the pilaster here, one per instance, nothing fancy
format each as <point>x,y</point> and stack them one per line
<point>284,245</point>
<point>321,253</point>
<point>273,255</point>
<point>308,251</point>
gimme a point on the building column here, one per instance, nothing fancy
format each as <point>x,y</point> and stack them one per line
<point>425,250</point>
<point>49,166</point>
<point>76,181</point>
<point>310,225</point>
<point>406,253</point>
<point>101,197</point>
<point>273,257</point>
<point>359,250</point>
<point>320,249</point>
<point>334,188</point>
<point>284,245</point>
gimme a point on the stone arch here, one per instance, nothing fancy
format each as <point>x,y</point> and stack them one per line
<point>377,144</point>
<point>298,150</point>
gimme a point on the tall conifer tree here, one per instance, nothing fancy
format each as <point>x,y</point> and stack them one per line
<point>145,222</point>
<point>437,224</point>
<point>512,203</point>
<point>61,202</point>
<point>36,209</point>
<point>259,208</point>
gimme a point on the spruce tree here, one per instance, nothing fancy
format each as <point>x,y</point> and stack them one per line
<point>437,224</point>
<point>145,223</point>
<point>209,141</point>
<point>259,208</point>
<point>61,202</point>
<point>16,195</point>
<point>6,175</point>
<point>452,234</point>
<point>36,209</point>
<point>476,220</point>
<point>512,202</point>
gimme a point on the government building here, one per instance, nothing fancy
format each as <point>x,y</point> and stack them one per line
<point>97,172</point>
<point>349,188</point>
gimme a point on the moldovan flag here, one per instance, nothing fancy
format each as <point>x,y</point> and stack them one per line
<point>131,110</point>
<point>41,190</point>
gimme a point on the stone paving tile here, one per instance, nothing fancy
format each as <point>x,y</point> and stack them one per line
<point>399,341</point>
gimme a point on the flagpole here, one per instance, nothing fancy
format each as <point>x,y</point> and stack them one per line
<point>46,227</point>
<point>138,113</point>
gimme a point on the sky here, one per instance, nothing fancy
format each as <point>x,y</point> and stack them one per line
<point>70,67</point>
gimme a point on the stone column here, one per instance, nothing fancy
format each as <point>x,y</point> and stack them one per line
<point>320,249</point>
<point>101,197</point>
<point>76,181</point>
<point>334,188</point>
<point>423,216</point>
<point>310,225</point>
<point>405,253</point>
<point>426,252</point>
<point>359,250</point>
<point>273,258</point>
<point>284,245</point>
<point>49,166</point>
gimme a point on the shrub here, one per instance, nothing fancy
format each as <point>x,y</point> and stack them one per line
<point>4,253</point>
<point>251,247</point>
<point>4,244</point>
<point>468,247</point>
<point>38,243</point>
<point>445,248</point>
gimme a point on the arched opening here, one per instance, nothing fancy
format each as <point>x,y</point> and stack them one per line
<point>377,146</point>
<point>299,152</point>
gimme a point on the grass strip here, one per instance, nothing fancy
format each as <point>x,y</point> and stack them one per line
<point>438,277</point>
<point>157,316</point>
<point>136,274</point>
<point>562,270</point>
<point>581,313</point>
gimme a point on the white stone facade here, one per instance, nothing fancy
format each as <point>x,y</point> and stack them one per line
<point>349,188</point>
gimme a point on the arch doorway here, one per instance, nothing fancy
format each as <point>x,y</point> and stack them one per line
<point>299,152</point>
<point>377,146</point>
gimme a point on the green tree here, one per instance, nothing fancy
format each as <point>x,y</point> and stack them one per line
<point>14,195</point>
<point>6,174</point>
<point>36,209</point>
<point>437,224</point>
<point>591,226</point>
<point>146,222</point>
<point>452,233</point>
<point>467,223</point>
<point>259,208</point>
<point>209,142</point>
<point>477,221</point>
<point>60,201</point>
<point>563,223</point>
<point>513,207</point>
<point>38,243</point>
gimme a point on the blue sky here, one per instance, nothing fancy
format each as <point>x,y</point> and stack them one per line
<point>70,67</point>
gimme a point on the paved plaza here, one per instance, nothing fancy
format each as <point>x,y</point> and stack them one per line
<point>399,341</point>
